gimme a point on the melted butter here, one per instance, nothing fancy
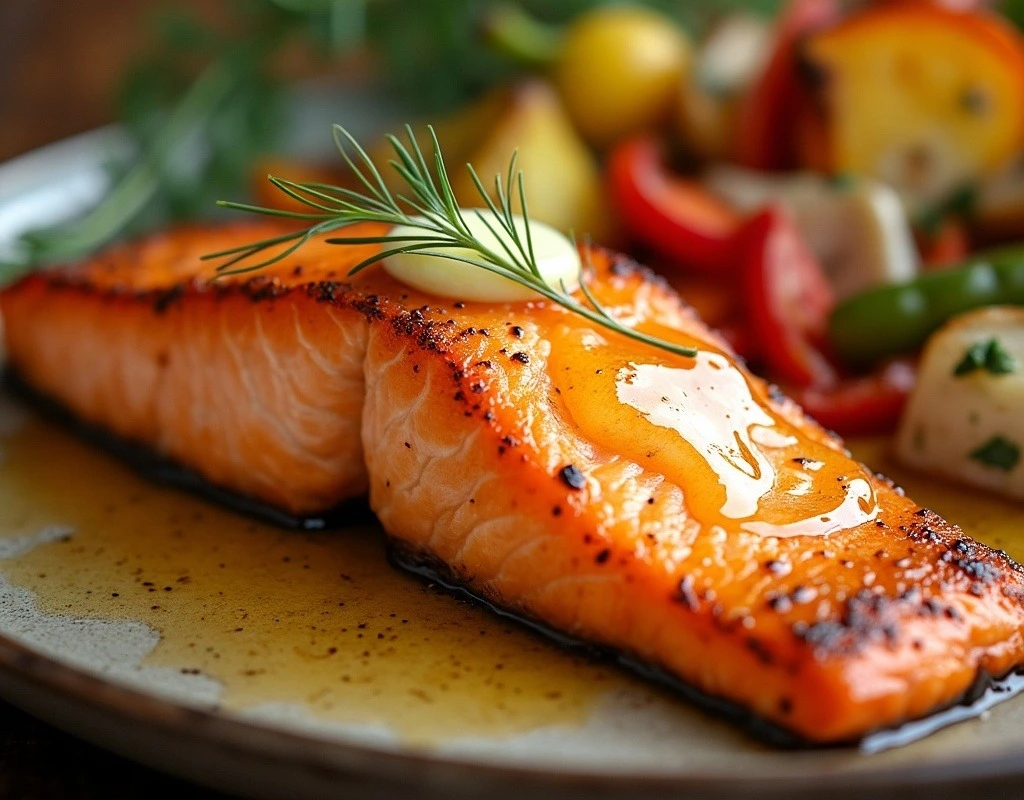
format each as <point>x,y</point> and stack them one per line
<point>702,424</point>
<point>710,406</point>
<point>321,621</point>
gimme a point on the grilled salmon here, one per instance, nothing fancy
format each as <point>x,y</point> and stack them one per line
<point>677,510</point>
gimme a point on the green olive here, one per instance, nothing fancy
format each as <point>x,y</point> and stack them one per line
<point>619,71</point>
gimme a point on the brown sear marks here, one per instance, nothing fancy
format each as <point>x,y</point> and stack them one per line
<point>165,299</point>
<point>572,477</point>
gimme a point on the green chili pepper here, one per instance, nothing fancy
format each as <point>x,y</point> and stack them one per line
<point>898,319</point>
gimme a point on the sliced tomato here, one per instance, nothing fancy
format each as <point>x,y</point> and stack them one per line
<point>677,218</point>
<point>788,300</point>
<point>862,406</point>
<point>766,136</point>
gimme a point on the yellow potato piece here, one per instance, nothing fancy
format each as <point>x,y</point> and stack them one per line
<point>561,175</point>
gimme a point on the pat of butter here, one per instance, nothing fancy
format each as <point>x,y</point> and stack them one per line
<point>437,272</point>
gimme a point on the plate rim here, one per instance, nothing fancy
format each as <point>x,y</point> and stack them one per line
<point>255,738</point>
<point>24,170</point>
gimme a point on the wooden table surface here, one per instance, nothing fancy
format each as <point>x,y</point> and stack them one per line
<point>59,65</point>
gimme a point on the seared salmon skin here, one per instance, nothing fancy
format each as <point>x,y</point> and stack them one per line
<point>675,510</point>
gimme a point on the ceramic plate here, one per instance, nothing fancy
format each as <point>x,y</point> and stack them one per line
<point>277,663</point>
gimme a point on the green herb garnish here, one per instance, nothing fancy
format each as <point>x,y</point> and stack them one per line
<point>199,109</point>
<point>998,452</point>
<point>431,207</point>
<point>989,356</point>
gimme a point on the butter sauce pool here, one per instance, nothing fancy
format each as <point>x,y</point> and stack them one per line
<point>318,620</point>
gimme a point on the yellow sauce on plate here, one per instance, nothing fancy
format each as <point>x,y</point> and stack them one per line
<point>318,620</point>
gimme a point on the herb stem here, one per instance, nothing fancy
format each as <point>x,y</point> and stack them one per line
<point>437,213</point>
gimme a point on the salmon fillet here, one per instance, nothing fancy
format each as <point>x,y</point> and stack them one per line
<point>676,510</point>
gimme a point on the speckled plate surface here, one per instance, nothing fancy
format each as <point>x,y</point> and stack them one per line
<point>274,663</point>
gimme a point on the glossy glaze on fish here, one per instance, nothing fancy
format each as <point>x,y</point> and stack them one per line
<point>676,510</point>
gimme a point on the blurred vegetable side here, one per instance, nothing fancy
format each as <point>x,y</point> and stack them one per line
<point>211,73</point>
<point>416,38</point>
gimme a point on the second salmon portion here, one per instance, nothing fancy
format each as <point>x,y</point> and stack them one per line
<point>674,509</point>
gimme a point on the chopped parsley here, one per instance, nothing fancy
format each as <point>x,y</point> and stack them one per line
<point>989,356</point>
<point>998,452</point>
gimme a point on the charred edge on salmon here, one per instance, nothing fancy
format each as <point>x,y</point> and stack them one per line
<point>428,333</point>
<point>985,692</point>
<point>862,622</point>
<point>871,616</point>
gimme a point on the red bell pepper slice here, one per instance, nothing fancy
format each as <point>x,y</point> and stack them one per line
<point>862,406</point>
<point>788,300</point>
<point>772,108</point>
<point>677,218</point>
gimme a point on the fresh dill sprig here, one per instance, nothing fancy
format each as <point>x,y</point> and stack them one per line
<point>429,206</point>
